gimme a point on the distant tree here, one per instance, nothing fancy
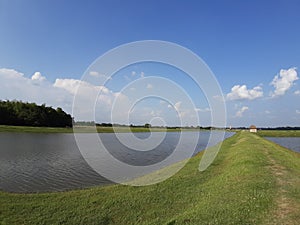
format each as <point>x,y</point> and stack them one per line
<point>19,113</point>
<point>147,125</point>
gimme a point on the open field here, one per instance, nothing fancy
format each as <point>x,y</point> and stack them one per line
<point>279,133</point>
<point>252,181</point>
<point>83,129</point>
<point>86,129</point>
<point>27,129</point>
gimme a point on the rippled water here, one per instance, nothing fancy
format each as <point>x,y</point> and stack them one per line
<point>52,162</point>
<point>292,143</point>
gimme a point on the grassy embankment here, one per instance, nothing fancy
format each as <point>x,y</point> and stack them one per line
<point>279,133</point>
<point>252,181</point>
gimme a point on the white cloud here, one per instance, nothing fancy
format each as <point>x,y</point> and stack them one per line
<point>183,113</point>
<point>94,73</point>
<point>10,73</point>
<point>202,110</point>
<point>240,92</point>
<point>92,102</point>
<point>177,106</point>
<point>162,102</point>
<point>155,113</point>
<point>267,112</point>
<point>61,92</point>
<point>186,113</point>
<point>149,86</point>
<point>14,85</point>
<point>298,111</point>
<point>241,111</point>
<point>38,76</point>
<point>99,75</point>
<point>71,85</point>
<point>284,81</point>
<point>297,92</point>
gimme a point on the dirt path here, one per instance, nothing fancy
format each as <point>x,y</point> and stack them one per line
<point>284,205</point>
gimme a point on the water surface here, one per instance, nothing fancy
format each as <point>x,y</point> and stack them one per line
<point>292,143</point>
<point>31,162</point>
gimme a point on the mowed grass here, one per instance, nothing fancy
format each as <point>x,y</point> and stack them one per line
<point>279,133</point>
<point>86,129</point>
<point>27,129</point>
<point>240,187</point>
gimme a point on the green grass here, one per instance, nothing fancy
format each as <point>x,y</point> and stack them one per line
<point>240,187</point>
<point>279,133</point>
<point>86,129</point>
<point>27,129</point>
<point>83,129</point>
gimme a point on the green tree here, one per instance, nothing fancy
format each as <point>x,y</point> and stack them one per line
<point>30,114</point>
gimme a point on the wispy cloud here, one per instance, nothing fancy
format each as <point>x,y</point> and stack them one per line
<point>149,86</point>
<point>283,81</point>
<point>297,92</point>
<point>99,75</point>
<point>202,110</point>
<point>177,106</point>
<point>162,102</point>
<point>240,92</point>
<point>241,111</point>
<point>298,111</point>
<point>94,73</point>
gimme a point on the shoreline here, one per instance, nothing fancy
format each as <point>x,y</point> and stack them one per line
<point>121,129</point>
<point>279,133</point>
<point>86,129</point>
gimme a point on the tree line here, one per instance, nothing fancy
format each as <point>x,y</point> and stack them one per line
<point>19,113</point>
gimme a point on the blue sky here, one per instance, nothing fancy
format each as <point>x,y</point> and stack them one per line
<point>243,42</point>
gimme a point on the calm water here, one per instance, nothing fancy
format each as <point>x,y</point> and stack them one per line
<point>292,143</point>
<point>53,162</point>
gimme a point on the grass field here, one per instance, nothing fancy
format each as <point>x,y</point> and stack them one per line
<point>4,128</point>
<point>252,181</point>
<point>279,133</point>
<point>86,129</point>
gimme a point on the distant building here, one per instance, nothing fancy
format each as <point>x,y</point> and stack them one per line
<point>253,129</point>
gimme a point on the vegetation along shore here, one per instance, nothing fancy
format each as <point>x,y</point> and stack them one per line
<point>88,129</point>
<point>251,181</point>
<point>279,133</point>
<point>123,129</point>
